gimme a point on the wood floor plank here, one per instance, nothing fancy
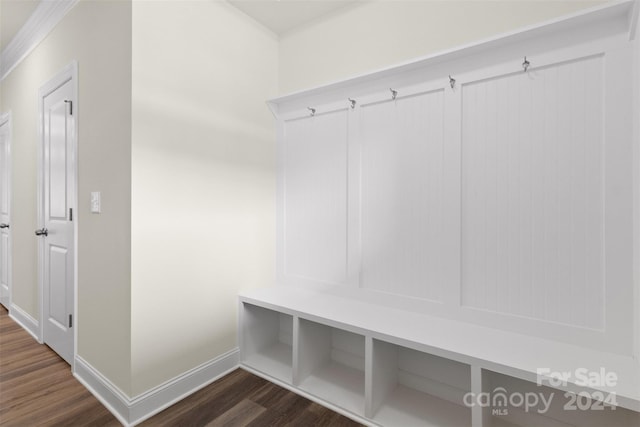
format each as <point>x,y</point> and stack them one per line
<point>206,405</point>
<point>238,416</point>
<point>38,389</point>
<point>284,407</point>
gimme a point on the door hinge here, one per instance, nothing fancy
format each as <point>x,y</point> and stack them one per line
<point>70,106</point>
<point>71,320</point>
<point>70,214</point>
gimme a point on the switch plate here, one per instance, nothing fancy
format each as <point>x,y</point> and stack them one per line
<point>95,202</point>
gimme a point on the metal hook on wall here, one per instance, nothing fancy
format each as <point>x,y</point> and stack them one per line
<point>394,93</point>
<point>525,64</point>
<point>353,103</point>
<point>452,81</point>
<point>312,110</point>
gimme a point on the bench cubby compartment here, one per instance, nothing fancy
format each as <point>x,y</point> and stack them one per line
<point>330,365</point>
<point>585,412</point>
<point>342,355</point>
<point>409,387</point>
<point>267,341</point>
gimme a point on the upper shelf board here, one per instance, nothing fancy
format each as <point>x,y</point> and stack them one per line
<point>619,17</point>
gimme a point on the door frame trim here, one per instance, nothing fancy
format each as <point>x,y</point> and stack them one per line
<point>70,72</point>
<point>6,118</point>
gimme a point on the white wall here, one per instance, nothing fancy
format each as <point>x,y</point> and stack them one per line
<point>203,180</point>
<point>98,36</point>
<point>379,34</point>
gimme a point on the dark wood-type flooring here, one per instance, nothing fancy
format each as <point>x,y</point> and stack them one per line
<point>37,389</point>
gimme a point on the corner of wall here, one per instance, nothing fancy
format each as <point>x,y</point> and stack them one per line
<point>203,161</point>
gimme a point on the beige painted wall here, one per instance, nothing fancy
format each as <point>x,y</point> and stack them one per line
<point>203,225</point>
<point>97,35</point>
<point>383,33</point>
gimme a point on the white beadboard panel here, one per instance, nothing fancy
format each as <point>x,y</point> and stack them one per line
<point>315,205</point>
<point>402,195</point>
<point>532,220</point>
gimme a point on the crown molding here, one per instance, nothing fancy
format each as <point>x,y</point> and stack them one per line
<point>44,19</point>
<point>634,20</point>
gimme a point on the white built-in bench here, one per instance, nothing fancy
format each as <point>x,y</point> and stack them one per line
<point>389,367</point>
<point>450,228</point>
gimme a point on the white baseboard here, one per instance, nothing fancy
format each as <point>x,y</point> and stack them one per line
<point>132,411</point>
<point>25,320</point>
<point>158,399</point>
<point>114,399</point>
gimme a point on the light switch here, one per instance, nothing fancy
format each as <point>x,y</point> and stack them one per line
<point>95,202</point>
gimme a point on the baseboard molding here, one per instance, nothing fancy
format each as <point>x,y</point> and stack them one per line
<point>158,399</point>
<point>132,411</point>
<point>114,399</point>
<point>25,320</point>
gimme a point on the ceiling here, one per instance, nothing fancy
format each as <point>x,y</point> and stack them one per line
<point>13,15</point>
<point>281,16</point>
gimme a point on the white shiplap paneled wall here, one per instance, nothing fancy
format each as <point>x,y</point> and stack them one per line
<point>316,201</point>
<point>402,182</point>
<point>532,194</point>
<point>502,198</point>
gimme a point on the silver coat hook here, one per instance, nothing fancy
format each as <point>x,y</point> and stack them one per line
<point>353,103</point>
<point>452,81</point>
<point>394,93</point>
<point>525,64</point>
<point>312,110</point>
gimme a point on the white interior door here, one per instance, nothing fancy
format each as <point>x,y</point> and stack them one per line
<point>5,221</point>
<point>57,232</point>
